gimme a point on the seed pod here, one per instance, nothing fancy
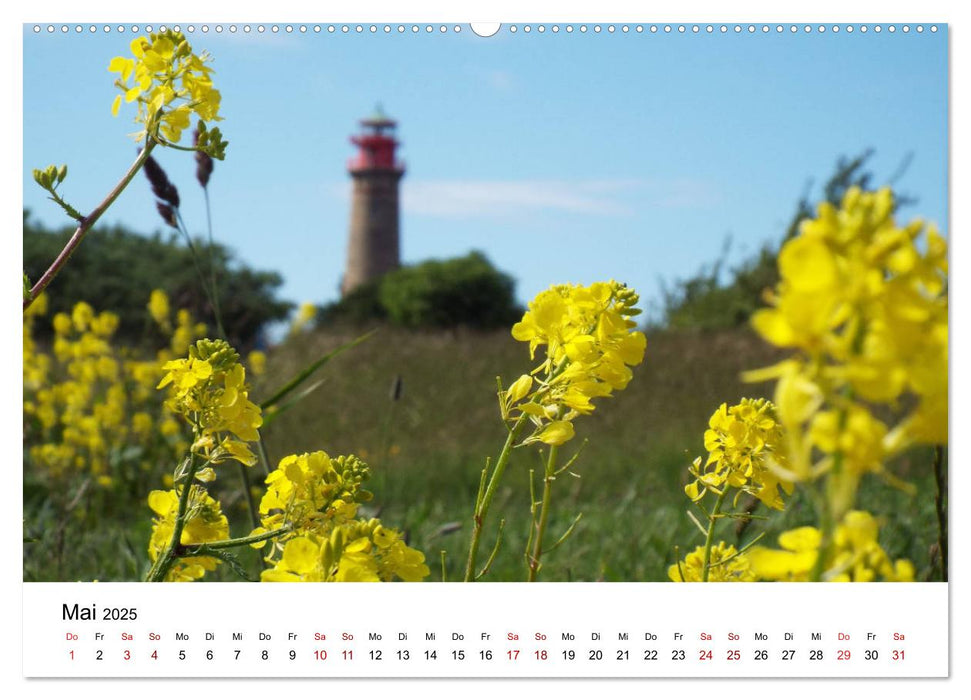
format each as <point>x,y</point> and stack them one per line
<point>204,163</point>
<point>168,214</point>
<point>161,186</point>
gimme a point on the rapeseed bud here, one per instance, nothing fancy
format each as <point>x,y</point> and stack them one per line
<point>310,493</point>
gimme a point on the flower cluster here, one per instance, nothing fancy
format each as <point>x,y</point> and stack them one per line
<point>209,390</point>
<point>591,344</point>
<point>362,550</point>
<point>863,302</point>
<point>856,554</point>
<point>312,500</point>
<point>726,564</point>
<point>204,522</point>
<point>89,406</point>
<point>740,441</point>
<point>311,492</point>
<point>170,83</point>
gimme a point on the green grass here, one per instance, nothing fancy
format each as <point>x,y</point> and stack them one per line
<point>428,448</point>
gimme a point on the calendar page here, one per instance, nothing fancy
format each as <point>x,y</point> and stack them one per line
<point>516,350</point>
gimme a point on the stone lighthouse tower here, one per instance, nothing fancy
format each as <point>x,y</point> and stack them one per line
<point>373,246</point>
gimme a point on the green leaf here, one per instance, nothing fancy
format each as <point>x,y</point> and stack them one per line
<point>278,409</point>
<point>71,211</point>
<point>305,374</point>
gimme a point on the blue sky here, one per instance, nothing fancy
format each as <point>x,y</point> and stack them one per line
<point>564,157</point>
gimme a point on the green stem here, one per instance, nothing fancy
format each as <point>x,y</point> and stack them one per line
<point>89,221</point>
<point>482,507</point>
<point>254,517</point>
<point>544,513</point>
<point>200,550</point>
<point>168,557</point>
<point>824,506</point>
<point>264,456</point>
<point>710,536</point>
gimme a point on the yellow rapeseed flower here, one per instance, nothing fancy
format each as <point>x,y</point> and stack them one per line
<point>591,343</point>
<point>205,523</point>
<point>168,82</point>
<point>727,564</point>
<point>855,555</point>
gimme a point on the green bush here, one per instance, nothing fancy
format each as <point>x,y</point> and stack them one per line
<point>466,291</point>
<point>117,269</point>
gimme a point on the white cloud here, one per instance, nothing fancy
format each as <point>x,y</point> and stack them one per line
<point>501,198</point>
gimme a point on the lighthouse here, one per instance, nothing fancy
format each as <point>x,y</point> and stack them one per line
<point>373,247</point>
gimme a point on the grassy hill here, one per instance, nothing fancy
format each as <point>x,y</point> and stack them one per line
<point>427,448</point>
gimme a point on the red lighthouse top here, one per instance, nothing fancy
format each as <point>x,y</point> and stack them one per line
<point>376,145</point>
